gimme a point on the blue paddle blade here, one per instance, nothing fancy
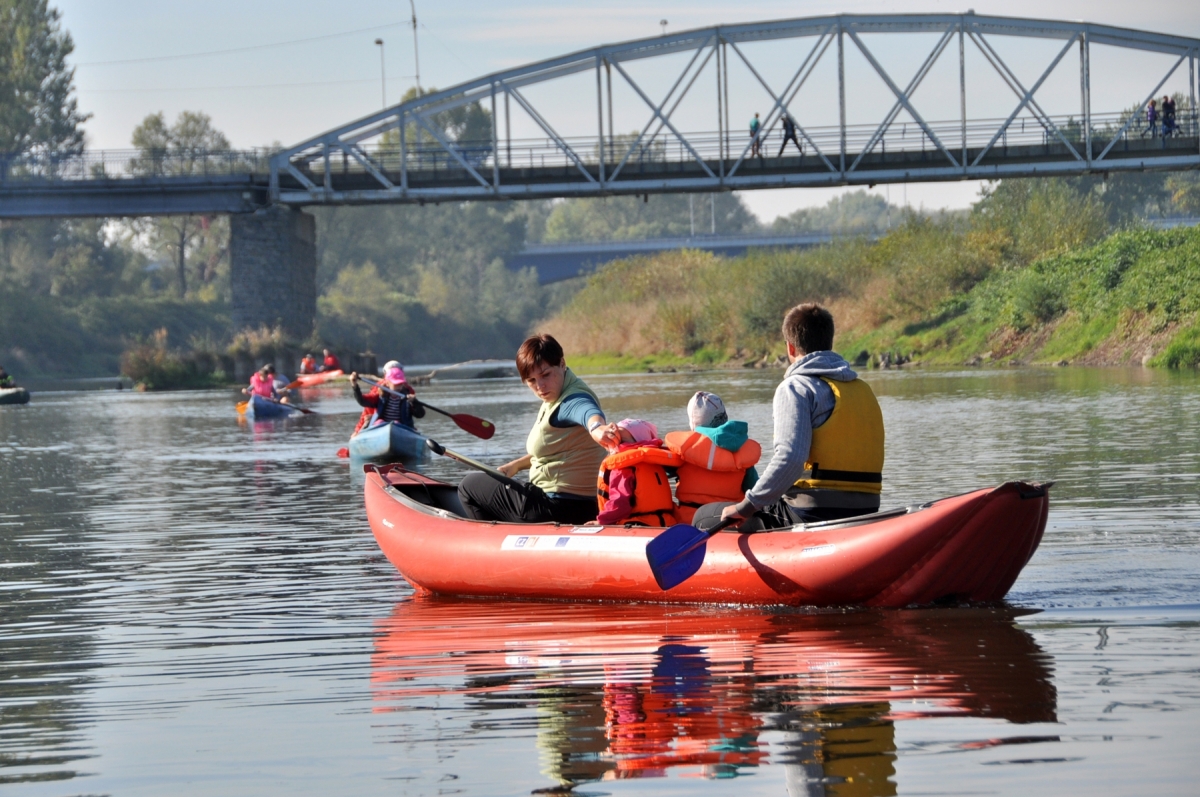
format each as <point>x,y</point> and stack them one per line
<point>676,554</point>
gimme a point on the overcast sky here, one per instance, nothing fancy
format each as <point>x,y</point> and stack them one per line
<point>284,70</point>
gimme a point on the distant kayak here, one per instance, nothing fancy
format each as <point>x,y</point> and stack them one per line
<point>260,408</point>
<point>388,442</point>
<point>312,380</point>
<point>966,548</point>
<point>14,395</point>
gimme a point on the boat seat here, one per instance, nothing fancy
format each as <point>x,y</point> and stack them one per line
<point>439,496</point>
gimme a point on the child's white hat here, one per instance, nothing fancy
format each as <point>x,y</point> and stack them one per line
<point>706,409</point>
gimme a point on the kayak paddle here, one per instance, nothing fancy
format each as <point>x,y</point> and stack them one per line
<point>677,553</point>
<point>442,451</point>
<point>468,423</point>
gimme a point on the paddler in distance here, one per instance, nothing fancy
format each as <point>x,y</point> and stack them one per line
<point>262,384</point>
<point>397,404</point>
<point>828,458</point>
<point>330,363</point>
<point>565,449</point>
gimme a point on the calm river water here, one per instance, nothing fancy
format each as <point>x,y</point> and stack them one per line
<point>195,605</point>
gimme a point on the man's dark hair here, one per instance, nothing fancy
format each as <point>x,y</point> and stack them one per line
<point>809,327</point>
<point>536,351</point>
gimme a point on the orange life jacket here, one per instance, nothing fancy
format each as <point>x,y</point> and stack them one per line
<point>651,502</point>
<point>708,472</point>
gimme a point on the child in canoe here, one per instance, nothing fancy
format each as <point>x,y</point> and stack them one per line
<point>632,486</point>
<point>392,400</point>
<point>718,456</point>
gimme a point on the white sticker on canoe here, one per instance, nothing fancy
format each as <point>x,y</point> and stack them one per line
<point>587,529</point>
<point>818,550</point>
<point>559,542</point>
<point>387,523</point>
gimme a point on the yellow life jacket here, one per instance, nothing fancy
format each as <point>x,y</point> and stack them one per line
<point>847,450</point>
<point>563,459</point>
<point>651,502</point>
<point>709,473</point>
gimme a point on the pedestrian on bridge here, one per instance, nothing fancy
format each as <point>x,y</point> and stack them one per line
<point>789,134</point>
<point>755,142</point>
<point>1151,120</point>
<point>1168,116</point>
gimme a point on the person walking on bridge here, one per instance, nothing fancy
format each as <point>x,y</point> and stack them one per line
<point>1168,116</point>
<point>1151,120</point>
<point>789,134</point>
<point>755,141</point>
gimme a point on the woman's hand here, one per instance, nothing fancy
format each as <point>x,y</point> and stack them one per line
<point>511,469</point>
<point>607,436</point>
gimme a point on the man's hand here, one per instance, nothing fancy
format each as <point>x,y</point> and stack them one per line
<point>731,512</point>
<point>510,469</point>
<point>354,377</point>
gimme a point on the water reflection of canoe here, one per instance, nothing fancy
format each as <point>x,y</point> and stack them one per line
<point>14,395</point>
<point>388,441</point>
<point>964,548</point>
<point>632,690</point>
<point>260,408</point>
<point>312,380</point>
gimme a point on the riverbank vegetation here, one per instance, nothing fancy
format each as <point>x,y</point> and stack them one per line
<point>1034,273</point>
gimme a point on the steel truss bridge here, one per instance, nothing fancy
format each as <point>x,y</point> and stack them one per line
<point>405,154</point>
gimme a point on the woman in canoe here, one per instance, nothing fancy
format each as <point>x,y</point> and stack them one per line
<point>565,448</point>
<point>262,384</point>
<point>397,404</point>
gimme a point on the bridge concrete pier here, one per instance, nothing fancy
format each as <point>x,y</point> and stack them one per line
<point>273,270</point>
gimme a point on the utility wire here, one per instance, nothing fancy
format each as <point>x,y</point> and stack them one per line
<point>246,49</point>
<point>239,87</point>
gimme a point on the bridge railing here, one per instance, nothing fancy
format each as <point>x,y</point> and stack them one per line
<point>121,164</point>
<point>546,152</point>
<point>537,153</point>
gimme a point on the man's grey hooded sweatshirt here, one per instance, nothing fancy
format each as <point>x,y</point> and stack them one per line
<point>802,403</point>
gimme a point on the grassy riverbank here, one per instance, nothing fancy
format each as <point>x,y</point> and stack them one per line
<point>1031,276</point>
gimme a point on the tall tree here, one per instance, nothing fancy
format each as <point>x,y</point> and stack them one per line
<point>190,146</point>
<point>37,109</point>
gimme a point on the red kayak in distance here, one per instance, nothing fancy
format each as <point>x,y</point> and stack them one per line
<point>312,380</point>
<point>962,549</point>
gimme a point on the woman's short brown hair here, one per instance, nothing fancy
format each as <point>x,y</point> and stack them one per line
<point>536,351</point>
<point>809,327</point>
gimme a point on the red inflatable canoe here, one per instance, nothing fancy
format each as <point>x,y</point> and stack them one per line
<point>964,548</point>
<point>312,380</point>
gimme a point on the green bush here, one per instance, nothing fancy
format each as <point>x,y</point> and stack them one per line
<point>1182,352</point>
<point>153,365</point>
<point>1036,299</point>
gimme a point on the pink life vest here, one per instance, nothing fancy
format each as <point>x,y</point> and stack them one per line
<point>262,386</point>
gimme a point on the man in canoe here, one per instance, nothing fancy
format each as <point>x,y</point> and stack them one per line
<point>828,457</point>
<point>565,449</point>
<point>308,365</point>
<point>397,404</point>
<point>6,381</point>
<point>331,363</point>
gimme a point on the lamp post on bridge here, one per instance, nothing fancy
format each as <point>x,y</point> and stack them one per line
<point>382,73</point>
